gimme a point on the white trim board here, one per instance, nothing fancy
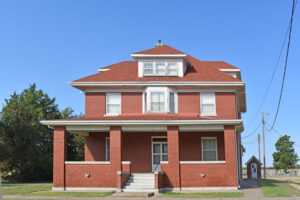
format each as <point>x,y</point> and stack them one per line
<point>157,83</point>
<point>83,189</point>
<point>203,162</point>
<point>142,122</point>
<point>91,90</point>
<point>157,55</point>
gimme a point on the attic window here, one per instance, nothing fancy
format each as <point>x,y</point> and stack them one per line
<point>160,68</point>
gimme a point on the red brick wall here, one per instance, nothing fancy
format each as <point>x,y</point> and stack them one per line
<point>100,176</point>
<point>188,103</point>
<point>59,156</point>
<point>225,105</point>
<point>191,142</point>
<point>132,102</point>
<point>95,104</point>
<point>95,146</point>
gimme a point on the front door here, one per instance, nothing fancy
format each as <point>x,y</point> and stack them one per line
<point>159,152</point>
<point>253,170</point>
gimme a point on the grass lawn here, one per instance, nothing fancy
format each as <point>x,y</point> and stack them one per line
<point>24,188</point>
<point>204,195</point>
<point>275,188</point>
<point>44,189</point>
<point>72,194</point>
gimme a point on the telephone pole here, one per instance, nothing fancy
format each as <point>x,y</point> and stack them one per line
<point>263,133</point>
<point>258,146</point>
<point>0,187</point>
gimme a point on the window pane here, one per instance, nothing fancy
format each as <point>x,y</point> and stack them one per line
<point>165,157</point>
<point>160,68</point>
<point>114,109</point>
<point>113,98</point>
<point>161,107</point>
<point>208,109</point>
<point>209,155</point>
<point>165,148</point>
<point>208,104</point>
<point>148,68</point>
<point>156,159</point>
<point>172,103</point>
<point>156,148</point>
<point>209,144</point>
<point>172,69</point>
<point>155,96</point>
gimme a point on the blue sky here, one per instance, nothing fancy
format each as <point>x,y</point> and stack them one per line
<point>53,42</point>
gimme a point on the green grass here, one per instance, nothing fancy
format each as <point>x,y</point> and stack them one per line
<point>44,189</point>
<point>24,188</point>
<point>273,188</point>
<point>73,194</point>
<point>204,195</point>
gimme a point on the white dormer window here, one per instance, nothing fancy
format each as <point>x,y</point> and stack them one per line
<point>160,69</point>
<point>160,100</point>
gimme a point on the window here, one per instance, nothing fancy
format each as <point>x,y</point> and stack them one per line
<point>148,68</point>
<point>157,101</point>
<point>107,149</point>
<point>172,69</point>
<point>113,103</point>
<point>160,69</point>
<point>207,104</point>
<point>172,102</point>
<point>209,149</point>
<point>160,100</point>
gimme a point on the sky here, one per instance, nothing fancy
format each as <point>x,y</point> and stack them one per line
<point>52,42</point>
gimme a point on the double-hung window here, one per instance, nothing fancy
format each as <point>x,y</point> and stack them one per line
<point>172,69</point>
<point>113,103</point>
<point>207,104</point>
<point>160,69</point>
<point>209,149</point>
<point>148,69</point>
<point>172,102</point>
<point>157,101</point>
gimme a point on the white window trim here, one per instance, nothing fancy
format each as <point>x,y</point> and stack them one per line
<point>203,138</point>
<point>201,110</point>
<point>107,158</point>
<point>166,90</point>
<point>166,65</point>
<point>113,114</point>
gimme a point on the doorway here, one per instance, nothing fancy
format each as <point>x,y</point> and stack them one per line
<point>159,151</point>
<point>253,170</point>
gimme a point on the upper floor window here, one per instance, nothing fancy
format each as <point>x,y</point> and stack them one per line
<point>113,103</point>
<point>209,149</point>
<point>160,69</point>
<point>207,104</point>
<point>160,100</point>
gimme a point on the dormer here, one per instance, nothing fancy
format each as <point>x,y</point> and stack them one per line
<point>161,61</point>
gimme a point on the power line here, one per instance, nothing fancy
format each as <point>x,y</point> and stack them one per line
<point>285,66</point>
<point>252,131</point>
<point>251,142</point>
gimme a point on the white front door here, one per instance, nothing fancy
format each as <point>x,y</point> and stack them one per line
<point>159,152</point>
<point>253,170</point>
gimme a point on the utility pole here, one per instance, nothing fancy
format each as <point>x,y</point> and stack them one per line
<point>264,149</point>
<point>258,146</point>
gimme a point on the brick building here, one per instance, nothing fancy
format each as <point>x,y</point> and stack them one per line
<point>165,121</point>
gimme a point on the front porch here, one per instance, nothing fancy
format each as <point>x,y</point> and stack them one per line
<point>180,157</point>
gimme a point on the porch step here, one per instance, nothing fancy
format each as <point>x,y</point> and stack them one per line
<point>140,182</point>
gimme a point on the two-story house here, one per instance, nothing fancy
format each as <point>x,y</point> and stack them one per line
<point>165,121</point>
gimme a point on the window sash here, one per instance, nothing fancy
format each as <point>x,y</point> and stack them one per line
<point>172,102</point>
<point>157,102</point>
<point>148,68</point>
<point>113,103</point>
<point>172,69</point>
<point>208,103</point>
<point>209,149</point>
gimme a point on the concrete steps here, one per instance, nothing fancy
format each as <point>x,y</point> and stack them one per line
<point>140,182</point>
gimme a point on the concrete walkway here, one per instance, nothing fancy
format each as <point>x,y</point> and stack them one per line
<point>250,189</point>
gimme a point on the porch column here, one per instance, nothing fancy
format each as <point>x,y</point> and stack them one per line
<point>173,156</point>
<point>231,154</point>
<point>59,156</point>
<point>115,150</point>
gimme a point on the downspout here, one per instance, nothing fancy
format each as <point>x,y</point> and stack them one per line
<point>236,159</point>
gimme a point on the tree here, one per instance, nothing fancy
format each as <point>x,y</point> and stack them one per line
<point>285,157</point>
<point>243,150</point>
